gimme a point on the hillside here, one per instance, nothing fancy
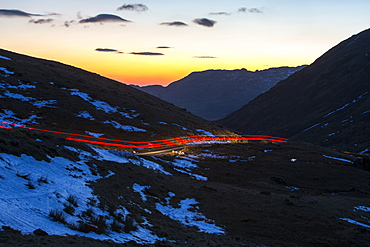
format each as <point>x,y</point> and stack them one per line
<point>326,103</point>
<point>55,191</point>
<point>213,94</point>
<point>51,95</point>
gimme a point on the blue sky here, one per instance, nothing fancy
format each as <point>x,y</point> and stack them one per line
<point>255,34</point>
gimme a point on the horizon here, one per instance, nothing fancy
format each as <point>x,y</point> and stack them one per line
<point>159,43</point>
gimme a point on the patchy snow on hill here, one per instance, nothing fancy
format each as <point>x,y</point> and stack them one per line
<point>10,92</point>
<point>94,134</point>
<point>103,106</point>
<point>31,188</point>
<point>9,115</point>
<point>204,132</point>
<point>7,72</point>
<point>355,222</point>
<point>124,127</point>
<point>86,115</point>
<point>348,104</point>
<point>187,216</point>
<point>32,192</point>
<point>359,214</point>
<point>126,157</point>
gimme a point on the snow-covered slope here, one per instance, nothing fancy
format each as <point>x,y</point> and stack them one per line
<point>34,192</point>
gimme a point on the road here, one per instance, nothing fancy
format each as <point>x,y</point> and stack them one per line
<point>160,151</point>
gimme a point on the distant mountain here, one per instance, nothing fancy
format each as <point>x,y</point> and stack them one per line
<point>41,93</point>
<point>213,94</point>
<point>326,103</point>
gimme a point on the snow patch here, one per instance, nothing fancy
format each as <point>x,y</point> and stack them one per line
<point>204,132</point>
<point>45,103</point>
<point>93,134</point>
<point>17,96</point>
<point>335,158</point>
<point>124,127</point>
<point>86,115</point>
<point>7,72</point>
<point>127,157</point>
<point>101,105</point>
<point>110,173</point>
<point>11,116</point>
<point>362,208</point>
<point>187,215</point>
<point>186,129</point>
<point>23,86</point>
<point>5,58</point>
<point>348,104</point>
<point>355,222</point>
<point>292,188</point>
<point>139,189</point>
<point>185,166</point>
<point>313,126</point>
<point>192,175</point>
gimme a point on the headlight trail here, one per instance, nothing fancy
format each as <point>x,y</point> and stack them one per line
<point>155,143</point>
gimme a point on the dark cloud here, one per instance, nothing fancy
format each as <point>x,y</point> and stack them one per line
<point>204,57</point>
<point>174,23</point>
<point>250,10</point>
<point>147,53</point>
<point>103,18</point>
<point>106,50</point>
<point>205,22</point>
<point>15,13</point>
<point>163,47</point>
<point>219,13</point>
<point>41,21</point>
<point>134,7</point>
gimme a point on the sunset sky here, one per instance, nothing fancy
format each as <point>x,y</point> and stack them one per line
<point>161,41</point>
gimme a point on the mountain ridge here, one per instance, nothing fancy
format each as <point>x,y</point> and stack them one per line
<point>212,94</point>
<point>307,105</point>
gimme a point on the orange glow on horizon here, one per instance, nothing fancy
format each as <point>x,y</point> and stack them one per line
<point>163,80</point>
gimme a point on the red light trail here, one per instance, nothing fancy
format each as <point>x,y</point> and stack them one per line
<point>155,143</point>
